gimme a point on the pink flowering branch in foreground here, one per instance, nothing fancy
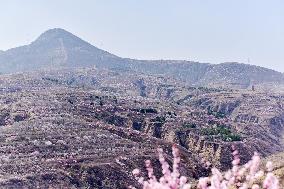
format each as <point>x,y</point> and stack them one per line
<point>248,176</point>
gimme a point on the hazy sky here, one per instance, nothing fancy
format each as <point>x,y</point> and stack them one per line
<point>212,31</point>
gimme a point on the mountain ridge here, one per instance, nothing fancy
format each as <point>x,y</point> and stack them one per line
<point>58,48</point>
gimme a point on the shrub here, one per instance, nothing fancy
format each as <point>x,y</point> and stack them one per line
<point>225,133</point>
<point>216,114</point>
<point>189,125</point>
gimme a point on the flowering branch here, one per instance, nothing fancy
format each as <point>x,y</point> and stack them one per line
<point>247,176</point>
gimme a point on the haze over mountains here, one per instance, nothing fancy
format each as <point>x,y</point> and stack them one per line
<point>57,48</point>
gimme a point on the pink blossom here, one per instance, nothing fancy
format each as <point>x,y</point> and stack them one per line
<point>239,177</point>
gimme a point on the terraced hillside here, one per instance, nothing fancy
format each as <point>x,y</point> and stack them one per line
<point>88,127</point>
<point>56,136</point>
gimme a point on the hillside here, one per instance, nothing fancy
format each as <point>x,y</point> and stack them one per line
<point>235,75</point>
<point>82,127</point>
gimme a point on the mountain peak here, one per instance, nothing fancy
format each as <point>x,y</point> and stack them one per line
<point>56,33</point>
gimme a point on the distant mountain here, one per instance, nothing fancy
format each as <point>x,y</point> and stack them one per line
<point>240,76</point>
<point>57,48</point>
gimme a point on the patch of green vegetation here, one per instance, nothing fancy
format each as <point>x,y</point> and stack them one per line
<point>232,137</point>
<point>148,110</point>
<point>221,130</point>
<point>219,115</point>
<point>189,125</point>
<point>216,114</point>
<point>159,119</point>
<point>54,80</point>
